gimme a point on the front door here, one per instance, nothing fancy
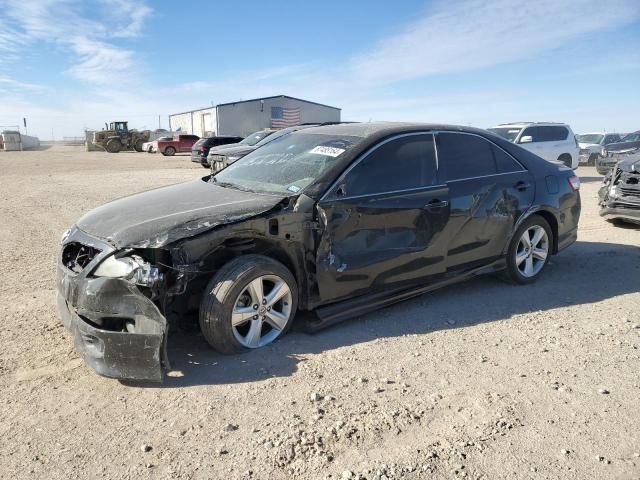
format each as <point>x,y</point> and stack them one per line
<point>382,223</point>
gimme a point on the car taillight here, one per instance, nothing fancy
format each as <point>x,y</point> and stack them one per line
<point>574,183</point>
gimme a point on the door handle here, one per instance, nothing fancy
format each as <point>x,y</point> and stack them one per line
<point>522,186</point>
<point>434,205</point>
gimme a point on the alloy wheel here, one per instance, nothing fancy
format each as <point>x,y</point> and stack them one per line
<point>532,251</point>
<point>262,311</point>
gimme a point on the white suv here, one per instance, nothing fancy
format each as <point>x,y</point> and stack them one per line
<point>551,141</point>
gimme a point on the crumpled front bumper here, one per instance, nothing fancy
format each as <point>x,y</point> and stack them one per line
<point>616,211</point>
<point>118,331</point>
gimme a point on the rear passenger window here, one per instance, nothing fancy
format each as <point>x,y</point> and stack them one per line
<point>504,162</point>
<point>553,134</point>
<point>465,156</point>
<point>403,163</point>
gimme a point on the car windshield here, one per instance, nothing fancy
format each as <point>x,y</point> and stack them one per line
<point>590,138</point>
<point>508,133</point>
<point>286,165</point>
<point>255,138</point>
<point>632,137</point>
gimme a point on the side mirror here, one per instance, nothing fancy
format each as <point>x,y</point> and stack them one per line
<point>526,139</point>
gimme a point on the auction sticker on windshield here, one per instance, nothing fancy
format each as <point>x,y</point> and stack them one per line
<point>328,151</point>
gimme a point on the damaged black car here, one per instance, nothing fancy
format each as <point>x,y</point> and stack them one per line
<point>335,221</point>
<point>620,192</point>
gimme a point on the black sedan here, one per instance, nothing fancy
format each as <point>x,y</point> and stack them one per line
<point>334,220</point>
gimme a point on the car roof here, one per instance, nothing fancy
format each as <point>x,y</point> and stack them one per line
<point>369,129</point>
<point>526,124</point>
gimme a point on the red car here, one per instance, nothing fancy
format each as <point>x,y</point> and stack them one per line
<point>178,144</point>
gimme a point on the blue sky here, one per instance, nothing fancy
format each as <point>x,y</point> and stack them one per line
<point>70,64</point>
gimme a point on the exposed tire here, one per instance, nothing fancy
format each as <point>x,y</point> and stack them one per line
<point>137,146</point>
<point>566,159</point>
<point>601,170</point>
<point>113,145</point>
<point>169,152</point>
<point>231,315</point>
<point>519,258</point>
<point>205,164</point>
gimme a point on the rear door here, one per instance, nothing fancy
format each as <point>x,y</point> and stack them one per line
<point>382,223</point>
<point>489,191</point>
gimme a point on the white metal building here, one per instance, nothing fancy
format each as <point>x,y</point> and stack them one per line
<point>244,117</point>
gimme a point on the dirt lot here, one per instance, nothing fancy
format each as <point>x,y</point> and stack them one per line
<point>479,380</point>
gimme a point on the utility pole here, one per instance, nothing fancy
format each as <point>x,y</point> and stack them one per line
<point>159,122</point>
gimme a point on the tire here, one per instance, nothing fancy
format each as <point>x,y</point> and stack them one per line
<point>113,145</point>
<point>602,171</point>
<point>566,159</point>
<point>205,164</point>
<point>137,146</point>
<point>169,152</point>
<point>592,159</point>
<point>515,271</point>
<point>232,290</point>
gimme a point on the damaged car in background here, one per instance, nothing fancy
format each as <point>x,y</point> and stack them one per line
<point>620,192</point>
<point>336,220</point>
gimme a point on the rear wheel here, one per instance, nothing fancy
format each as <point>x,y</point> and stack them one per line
<point>137,146</point>
<point>169,152</point>
<point>566,159</point>
<point>529,251</point>
<point>249,303</point>
<point>113,145</point>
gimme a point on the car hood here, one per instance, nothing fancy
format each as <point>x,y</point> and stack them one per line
<point>631,164</point>
<point>158,217</point>
<point>589,145</point>
<point>240,150</point>
<point>222,149</point>
<point>622,146</point>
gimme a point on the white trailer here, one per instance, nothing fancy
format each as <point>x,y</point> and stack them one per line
<point>12,140</point>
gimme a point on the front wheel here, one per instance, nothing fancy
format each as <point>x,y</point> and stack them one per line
<point>529,250</point>
<point>114,145</point>
<point>249,303</point>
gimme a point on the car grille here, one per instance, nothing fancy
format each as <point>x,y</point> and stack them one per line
<point>76,256</point>
<point>630,192</point>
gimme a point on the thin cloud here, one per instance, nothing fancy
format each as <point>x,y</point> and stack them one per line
<point>461,36</point>
<point>96,58</point>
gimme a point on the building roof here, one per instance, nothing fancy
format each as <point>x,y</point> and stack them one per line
<point>255,100</point>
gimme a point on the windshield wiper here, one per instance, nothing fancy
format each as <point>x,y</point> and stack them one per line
<point>231,185</point>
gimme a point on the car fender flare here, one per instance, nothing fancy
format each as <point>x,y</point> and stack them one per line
<point>549,213</point>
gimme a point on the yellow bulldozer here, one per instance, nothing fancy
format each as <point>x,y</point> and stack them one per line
<point>117,137</point>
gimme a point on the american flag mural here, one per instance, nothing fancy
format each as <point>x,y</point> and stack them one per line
<point>282,117</point>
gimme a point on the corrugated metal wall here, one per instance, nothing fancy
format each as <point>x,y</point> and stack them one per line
<point>198,122</point>
<point>247,117</point>
<point>243,118</point>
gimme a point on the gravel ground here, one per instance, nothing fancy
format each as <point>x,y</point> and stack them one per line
<point>479,380</point>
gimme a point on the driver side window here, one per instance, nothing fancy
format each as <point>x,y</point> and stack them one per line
<point>400,164</point>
